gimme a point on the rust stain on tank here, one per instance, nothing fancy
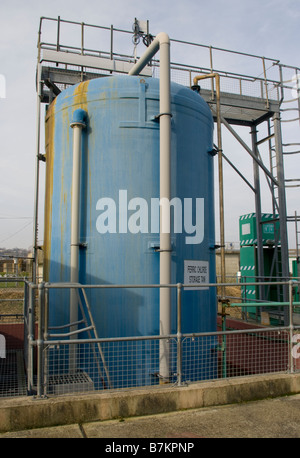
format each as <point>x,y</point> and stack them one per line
<point>66,109</point>
<point>50,153</point>
<point>80,95</point>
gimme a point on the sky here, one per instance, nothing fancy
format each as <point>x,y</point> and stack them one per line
<point>269,28</point>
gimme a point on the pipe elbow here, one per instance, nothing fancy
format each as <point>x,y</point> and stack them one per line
<point>79,118</point>
<point>163,38</point>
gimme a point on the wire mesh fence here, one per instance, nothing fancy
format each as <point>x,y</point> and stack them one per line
<point>32,363</point>
<point>12,366</point>
<point>133,363</point>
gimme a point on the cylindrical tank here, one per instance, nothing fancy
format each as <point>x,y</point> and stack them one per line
<point>119,213</point>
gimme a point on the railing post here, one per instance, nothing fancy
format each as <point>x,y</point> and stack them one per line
<point>111,42</point>
<point>266,82</point>
<point>40,346</point>
<point>179,336</point>
<point>291,326</point>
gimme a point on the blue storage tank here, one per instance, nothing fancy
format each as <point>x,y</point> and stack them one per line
<point>119,232</point>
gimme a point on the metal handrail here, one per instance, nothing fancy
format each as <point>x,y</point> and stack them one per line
<point>42,341</point>
<point>265,80</point>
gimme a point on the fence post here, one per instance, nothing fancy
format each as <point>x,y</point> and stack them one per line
<point>40,346</point>
<point>30,336</point>
<point>291,326</point>
<point>179,336</point>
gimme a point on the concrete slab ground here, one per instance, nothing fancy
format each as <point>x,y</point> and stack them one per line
<point>247,407</point>
<point>271,418</point>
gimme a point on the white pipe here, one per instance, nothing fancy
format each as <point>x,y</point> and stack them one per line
<point>162,42</point>
<point>77,124</point>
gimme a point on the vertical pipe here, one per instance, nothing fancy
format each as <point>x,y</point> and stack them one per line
<point>162,42</point>
<point>77,125</point>
<point>221,211</point>
<point>220,169</point>
<point>221,186</point>
<point>165,195</point>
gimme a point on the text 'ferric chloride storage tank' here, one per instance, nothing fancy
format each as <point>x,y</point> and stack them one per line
<point>118,118</point>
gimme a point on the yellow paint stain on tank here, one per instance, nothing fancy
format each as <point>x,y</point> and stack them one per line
<point>80,101</point>
<point>80,95</point>
<point>50,153</point>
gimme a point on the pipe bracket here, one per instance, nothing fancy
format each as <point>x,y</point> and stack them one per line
<point>156,118</point>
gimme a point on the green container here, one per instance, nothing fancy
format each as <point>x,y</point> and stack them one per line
<point>248,232</point>
<point>248,267</point>
<point>249,263</point>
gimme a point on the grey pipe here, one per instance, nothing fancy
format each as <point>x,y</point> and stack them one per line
<point>162,43</point>
<point>77,125</point>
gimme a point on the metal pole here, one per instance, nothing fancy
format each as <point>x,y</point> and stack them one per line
<point>111,42</point>
<point>241,141</point>
<point>30,337</point>
<point>58,33</point>
<point>179,336</point>
<point>221,210</point>
<point>291,327</point>
<point>220,168</point>
<point>37,173</point>
<point>260,262</point>
<point>266,82</point>
<point>221,190</point>
<point>40,346</point>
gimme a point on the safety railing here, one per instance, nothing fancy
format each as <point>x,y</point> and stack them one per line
<point>191,58</point>
<point>130,362</point>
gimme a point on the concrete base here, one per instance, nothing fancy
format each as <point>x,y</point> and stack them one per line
<point>28,412</point>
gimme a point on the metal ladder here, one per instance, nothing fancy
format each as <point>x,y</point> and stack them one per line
<point>89,327</point>
<point>293,106</point>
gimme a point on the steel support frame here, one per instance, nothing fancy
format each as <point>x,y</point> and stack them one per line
<point>280,205</point>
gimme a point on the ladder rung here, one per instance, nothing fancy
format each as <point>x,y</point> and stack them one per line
<point>290,120</point>
<point>291,152</point>
<point>290,144</point>
<point>289,109</point>
<point>289,101</point>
